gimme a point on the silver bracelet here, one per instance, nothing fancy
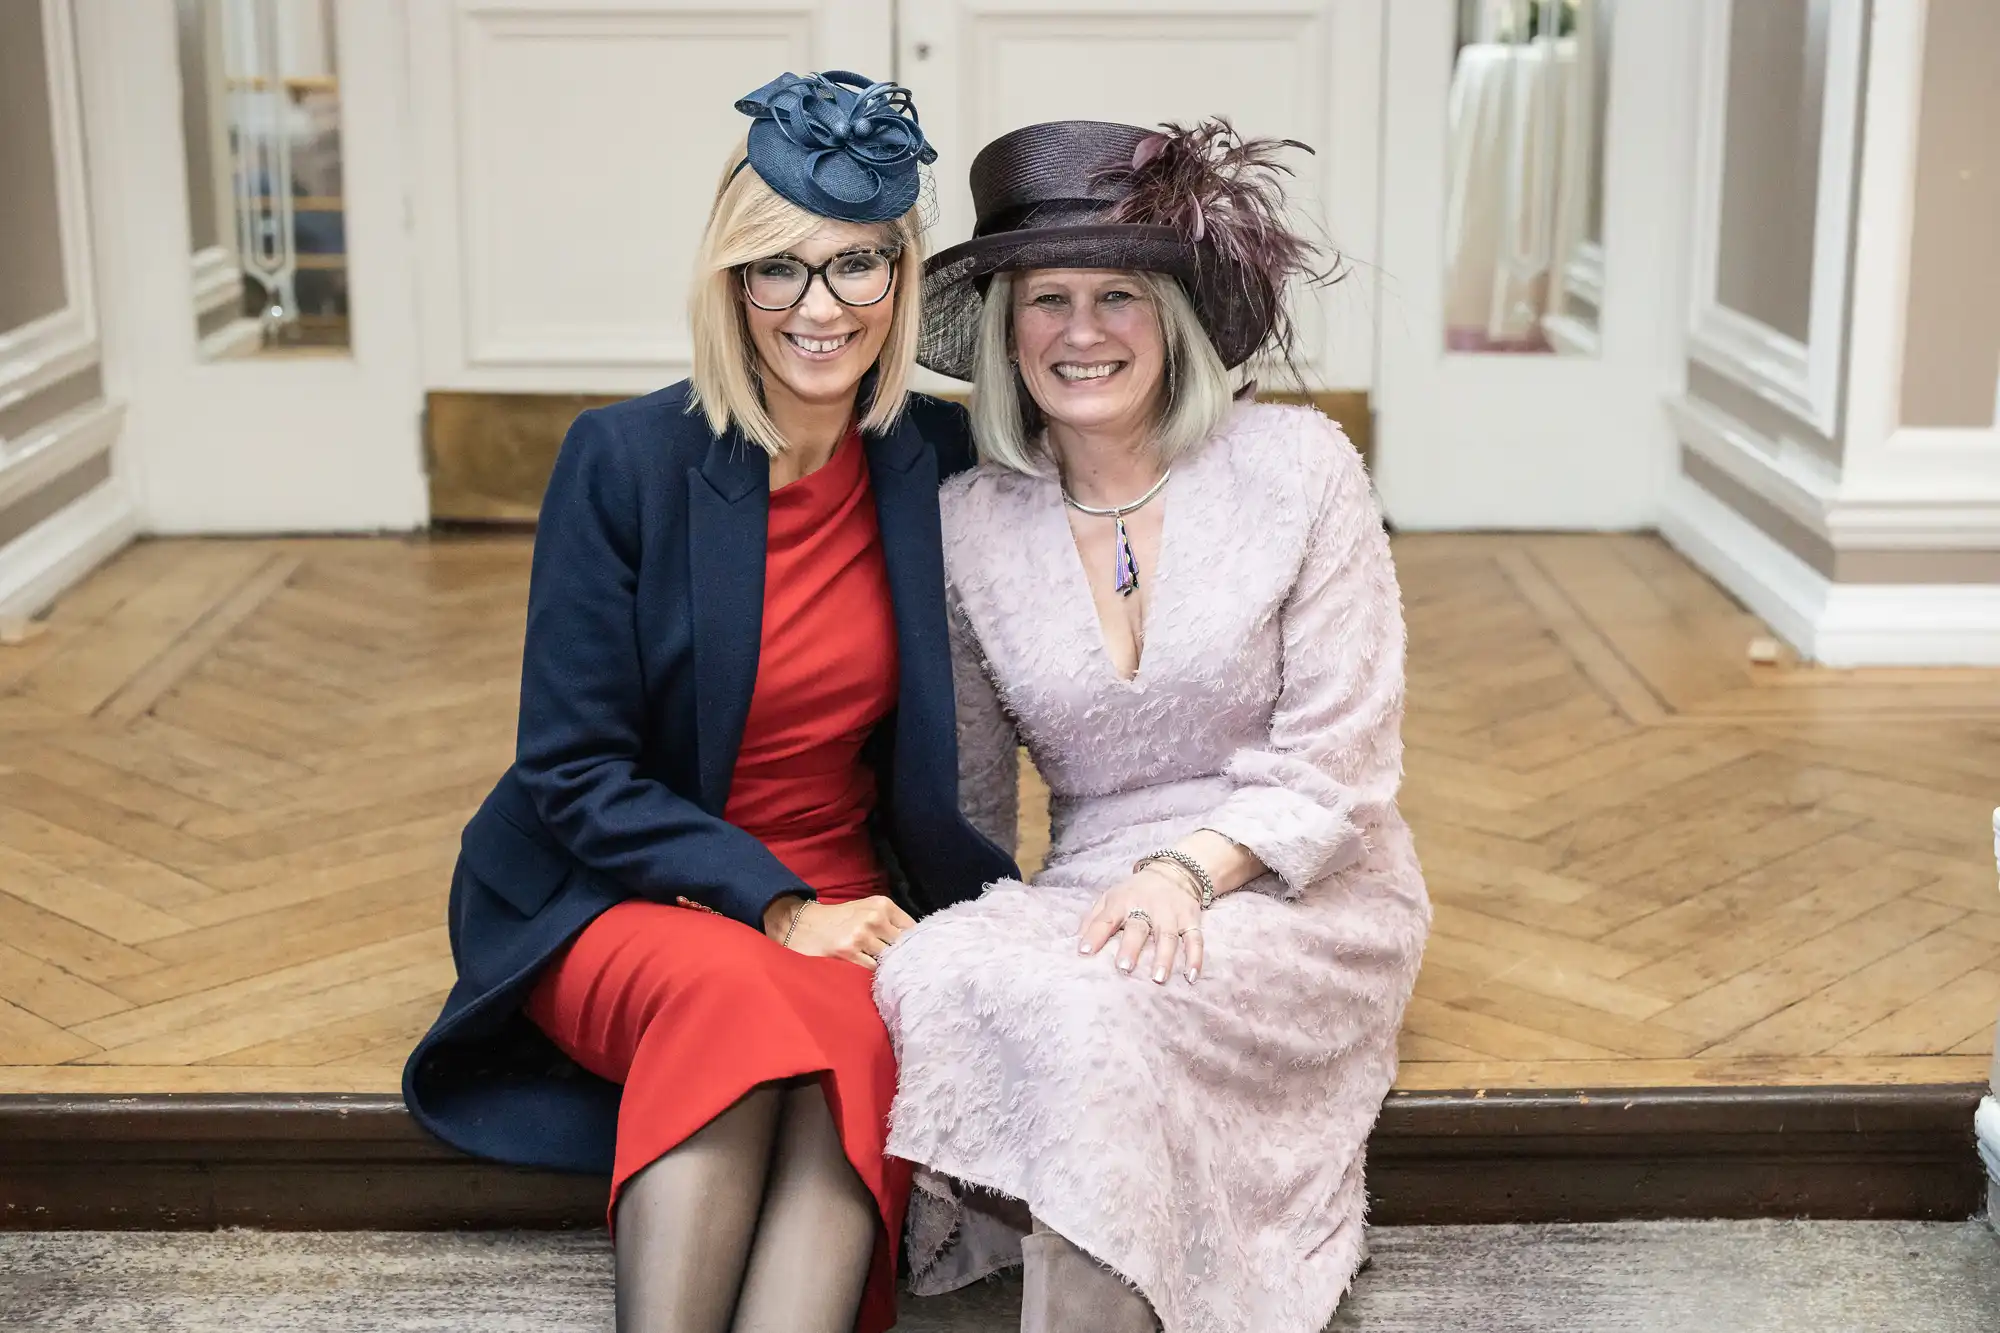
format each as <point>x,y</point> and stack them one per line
<point>793,924</point>
<point>1195,869</point>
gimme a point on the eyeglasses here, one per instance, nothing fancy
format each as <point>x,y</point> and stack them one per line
<point>854,277</point>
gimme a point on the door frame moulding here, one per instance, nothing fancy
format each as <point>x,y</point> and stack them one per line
<point>48,451</point>
<point>1801,378</point>
<point>1801,484</point>
<point>1881,457</point>
<point>218,268</point>
<point>55,346</point>
<point>1583,277</point>
<point>1583,272</point>
<point>1892,487</point>
<point>218,281</point>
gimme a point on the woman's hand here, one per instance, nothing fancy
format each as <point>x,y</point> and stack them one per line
<point>858,931</point>
<point>1172,921</point>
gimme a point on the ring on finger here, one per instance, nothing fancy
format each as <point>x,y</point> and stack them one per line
<point>1191,930</point>
<point>1140,914</point>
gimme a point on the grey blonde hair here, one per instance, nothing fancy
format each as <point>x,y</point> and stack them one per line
<point>1198,388</point>
<point>749,221</point>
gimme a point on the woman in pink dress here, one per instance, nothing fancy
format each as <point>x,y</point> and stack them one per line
<point>1150,1073</point>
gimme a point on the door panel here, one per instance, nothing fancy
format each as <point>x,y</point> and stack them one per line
<point>567,152</point>
<point>1301,69</point>
<point>1515,434</point>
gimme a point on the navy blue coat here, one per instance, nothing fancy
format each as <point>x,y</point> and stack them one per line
<point>645,612</point>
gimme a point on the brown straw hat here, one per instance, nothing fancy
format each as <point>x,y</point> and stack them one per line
<point>1201,204</point>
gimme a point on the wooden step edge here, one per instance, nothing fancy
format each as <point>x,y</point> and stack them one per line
<point>353,1162</point>
<point>1613,1155</point>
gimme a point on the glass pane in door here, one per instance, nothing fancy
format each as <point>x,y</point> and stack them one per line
<point>260,107</point>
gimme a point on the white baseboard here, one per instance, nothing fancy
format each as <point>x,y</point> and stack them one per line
<point>1779,588</point>
<point>37,566</point>
<point>1838,624</point>
<point>1923,624</point>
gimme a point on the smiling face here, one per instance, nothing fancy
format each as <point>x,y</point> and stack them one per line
<point>817,351</point>
<point>1090,347</point>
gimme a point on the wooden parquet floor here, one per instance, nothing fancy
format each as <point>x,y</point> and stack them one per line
<point>232,775</point>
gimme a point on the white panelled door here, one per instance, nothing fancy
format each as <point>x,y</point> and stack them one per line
<point>566,153</point>
<point>312,440</point>
<point>1298,69</point>
<point>1522,440</point>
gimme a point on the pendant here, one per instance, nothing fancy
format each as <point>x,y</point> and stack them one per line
<point>1128,564</point>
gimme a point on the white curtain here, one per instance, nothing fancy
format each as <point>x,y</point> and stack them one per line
<point>1508,214</point>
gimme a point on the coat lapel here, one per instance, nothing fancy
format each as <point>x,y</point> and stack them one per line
<point>729,501</point>
<point>904,475</point>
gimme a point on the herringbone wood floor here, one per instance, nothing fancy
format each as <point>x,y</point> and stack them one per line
<point>232,776</point>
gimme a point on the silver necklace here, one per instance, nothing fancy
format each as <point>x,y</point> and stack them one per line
<point>1128,564</point>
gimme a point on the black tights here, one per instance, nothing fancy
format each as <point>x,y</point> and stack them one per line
<point>756,1224</point>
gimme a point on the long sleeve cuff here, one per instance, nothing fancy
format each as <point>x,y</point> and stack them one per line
<point>1300,838</point>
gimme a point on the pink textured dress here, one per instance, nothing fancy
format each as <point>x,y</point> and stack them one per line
<point>1204,1140</point>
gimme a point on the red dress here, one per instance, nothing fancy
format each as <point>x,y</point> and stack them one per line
<point>689,1010</point>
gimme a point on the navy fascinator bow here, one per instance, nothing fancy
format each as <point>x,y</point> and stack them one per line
<point>838,145</point>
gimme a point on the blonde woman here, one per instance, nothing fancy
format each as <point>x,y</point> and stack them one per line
<point>732,788</point>
<point>1149,1075</point>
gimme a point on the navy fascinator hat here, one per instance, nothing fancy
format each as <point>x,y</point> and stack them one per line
<point>838,145</point>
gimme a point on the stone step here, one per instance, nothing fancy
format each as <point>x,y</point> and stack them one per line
<point>1636,1277</point>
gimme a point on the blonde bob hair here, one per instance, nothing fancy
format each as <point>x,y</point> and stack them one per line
<point>1007,423</point>
<point>750,221</point>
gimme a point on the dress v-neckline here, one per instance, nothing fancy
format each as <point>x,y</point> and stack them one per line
<point>1081,576</point>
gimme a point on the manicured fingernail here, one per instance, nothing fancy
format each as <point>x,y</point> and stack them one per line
<point>1161,976</point>
<point>1192,974</point>
<point>1083,946</point>
<point>1124,965</point>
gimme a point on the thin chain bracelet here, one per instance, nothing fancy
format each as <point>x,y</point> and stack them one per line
<point>793,924</point>
<point>1179,875</point>
<point>1195,870</point>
